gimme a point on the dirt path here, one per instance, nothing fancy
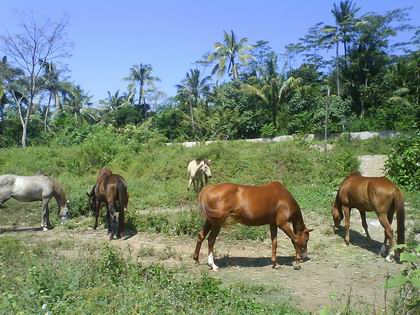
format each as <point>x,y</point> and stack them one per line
<point>372,165</point>
<point>332,272</point>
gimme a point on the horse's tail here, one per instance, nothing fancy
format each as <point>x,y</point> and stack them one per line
<point>399,208</point>
<point>122,195</point>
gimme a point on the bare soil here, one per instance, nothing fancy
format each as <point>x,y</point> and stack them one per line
<point>333,274</point>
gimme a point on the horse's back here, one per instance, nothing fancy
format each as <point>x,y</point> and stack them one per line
<point>250,205</point>
<point>366,193</point>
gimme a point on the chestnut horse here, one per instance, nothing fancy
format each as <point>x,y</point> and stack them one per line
<point>269,204</point>
<point>112,190</point>
<point>377,194</point>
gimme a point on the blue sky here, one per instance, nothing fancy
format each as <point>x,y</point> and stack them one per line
<point>111,36</point>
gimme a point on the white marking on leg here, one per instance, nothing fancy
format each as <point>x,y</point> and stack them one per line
<point>211,262</point>
<point>44,229</point>
<point>389,258</point>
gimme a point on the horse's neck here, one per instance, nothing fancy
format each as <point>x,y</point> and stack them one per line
<point>59,197</point>
<point>297,222</point>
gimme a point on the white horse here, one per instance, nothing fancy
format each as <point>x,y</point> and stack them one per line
<point>199,173</point>
<point>34,188</point>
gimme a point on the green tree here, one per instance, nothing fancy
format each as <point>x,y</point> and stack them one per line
<point>273,90</point>
<point>76,104</point>
<point>227,53</point>
<point>345,19</point>
<point>191,89</point>
<point>37,44</point>
<point>142,74</point>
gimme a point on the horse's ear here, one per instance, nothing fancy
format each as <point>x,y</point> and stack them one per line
<point>209,162</point>
<point>309,230</point>
<point>67,202</point>
<point>87,194</point>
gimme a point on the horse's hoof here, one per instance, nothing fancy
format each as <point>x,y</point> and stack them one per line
<point>389,258</point>
<point>214,268</point>
<point>297,267</point>
<point>44,229</point>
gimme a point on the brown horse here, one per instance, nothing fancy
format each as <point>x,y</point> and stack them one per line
<point>112,190</point>
<point>377,194</point>
<point>269,204</point>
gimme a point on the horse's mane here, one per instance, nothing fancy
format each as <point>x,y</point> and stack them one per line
<point>58,189</point>
<point>199,160</point>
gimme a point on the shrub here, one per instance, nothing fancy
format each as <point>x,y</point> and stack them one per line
<point>403,164</point>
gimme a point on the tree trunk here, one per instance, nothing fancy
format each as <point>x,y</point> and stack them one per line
<point>192,119</point>
<point>274,112</point>
<point>1,119</point>
<point>362,105</point>
<point>57,102</point>
<point>337,69</point>
<point>46,112</point>
<point>326,119</point>
<point>24,135</point>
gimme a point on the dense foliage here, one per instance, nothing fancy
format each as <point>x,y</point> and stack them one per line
<point>371,82</point>
<point>403,164</point>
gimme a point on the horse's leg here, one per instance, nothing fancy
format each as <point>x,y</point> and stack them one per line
<point>121,218</point>
<point>108,219</point>
<point>273,232</point>
<point>44,224</point>
<point>189,184</point>
<point>212,239</point>
<point>346,211</point>
<point>3,199</point>
<point>113,221</point>
<point>201,236</point>
<point>364,224</point>
<point>97,208</point>
<point>285,227</point>
<point>383,219</point>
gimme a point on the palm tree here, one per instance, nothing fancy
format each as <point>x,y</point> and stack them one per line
<point>142,74</point>
<point>227,53</point>
<point>54,86</point>
<point>76,103</point>
<point>274,91</point>
<point>192,88</point>
<point>344,15</point>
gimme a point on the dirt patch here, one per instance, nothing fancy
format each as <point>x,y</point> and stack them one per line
<point>333,271</point>
<point>372,165</point>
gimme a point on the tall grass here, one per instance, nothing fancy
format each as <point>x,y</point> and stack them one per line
<point>40,279</point>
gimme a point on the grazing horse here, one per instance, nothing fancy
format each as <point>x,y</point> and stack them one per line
<point>199,173</point>
<point>377,194</point>
<point>112,190</point>
<point>269,204</point>
<point>34,188</point>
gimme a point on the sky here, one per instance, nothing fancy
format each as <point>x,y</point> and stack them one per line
<point>111,36</point>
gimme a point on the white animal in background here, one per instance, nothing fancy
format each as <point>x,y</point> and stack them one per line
<point>199,173</point>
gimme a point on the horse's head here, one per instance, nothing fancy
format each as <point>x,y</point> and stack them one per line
<point>337,215</point>
<point>301,244</point>
<point>64,211</point>
<point>205,167</point>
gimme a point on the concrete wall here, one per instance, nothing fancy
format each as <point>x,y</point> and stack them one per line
<point>363,135</point>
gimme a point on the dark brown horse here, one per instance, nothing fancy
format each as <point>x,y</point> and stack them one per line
<point>377,194</point>
<point>110,189</point>
<point>269,204</point>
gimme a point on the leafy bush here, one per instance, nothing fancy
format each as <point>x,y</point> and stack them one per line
<point>268,131</point>
<point>403,164</point>
<point>408,282</point>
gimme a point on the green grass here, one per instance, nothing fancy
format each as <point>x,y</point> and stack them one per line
<point>157,177</point>
<point>38,276</point>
